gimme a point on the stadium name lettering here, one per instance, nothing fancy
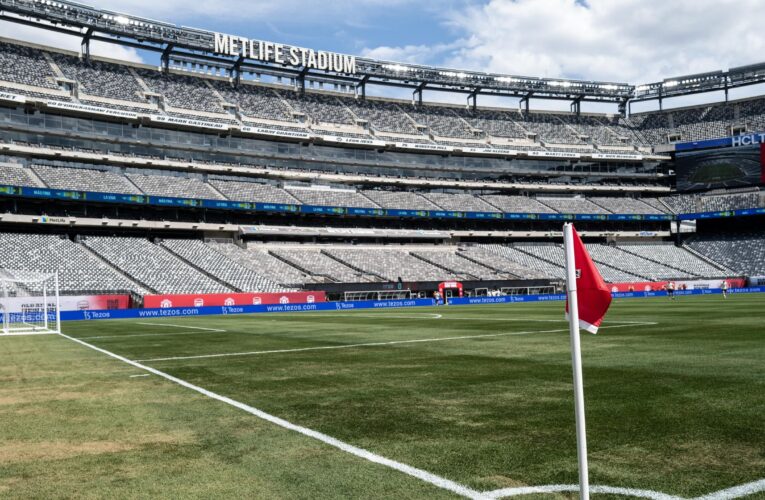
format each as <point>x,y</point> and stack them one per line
<point>277,53</point>
<point>747,140</point>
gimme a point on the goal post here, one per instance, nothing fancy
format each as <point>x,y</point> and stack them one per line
<point>29,303</point>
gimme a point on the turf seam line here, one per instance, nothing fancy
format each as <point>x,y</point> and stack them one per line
<point>420,474</point>
<point>371,344</point>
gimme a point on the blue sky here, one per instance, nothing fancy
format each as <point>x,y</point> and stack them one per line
<point>634,41</point>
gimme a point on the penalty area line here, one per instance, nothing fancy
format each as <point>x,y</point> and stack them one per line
<point>420,474</point>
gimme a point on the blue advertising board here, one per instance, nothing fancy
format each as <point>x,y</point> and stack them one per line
<point>171,312</point>
<point>167,201</point>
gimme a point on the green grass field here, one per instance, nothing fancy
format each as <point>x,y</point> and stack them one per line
<point>675,396</point>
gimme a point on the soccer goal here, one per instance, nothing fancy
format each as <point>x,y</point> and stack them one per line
<point>29,303</point>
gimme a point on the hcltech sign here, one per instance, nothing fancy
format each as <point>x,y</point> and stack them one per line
<point>284,54</point>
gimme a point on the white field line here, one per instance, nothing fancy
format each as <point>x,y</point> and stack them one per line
<point>726,494</point>
<point>430,316</point>
<point>420,474</point>
<point>741,490</point>
<point>182,326</point>
<point>141,375</point>
<point>559,488</point>
<point>446,484</point>
<point>368,344</point>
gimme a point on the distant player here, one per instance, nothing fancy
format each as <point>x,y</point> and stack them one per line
<point>671,290</point>
<point>724,288</point>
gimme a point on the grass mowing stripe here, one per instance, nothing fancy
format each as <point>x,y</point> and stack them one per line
<point>420,474</point>
<point>166,334</point>
<point>372,344</point>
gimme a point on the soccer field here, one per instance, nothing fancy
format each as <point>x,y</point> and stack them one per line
<point>405,403</point>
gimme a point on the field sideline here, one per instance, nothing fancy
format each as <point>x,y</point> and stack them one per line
<point>406,403</point>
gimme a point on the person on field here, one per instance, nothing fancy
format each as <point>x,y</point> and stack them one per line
<point>724,288</point>
<point>671,290</point>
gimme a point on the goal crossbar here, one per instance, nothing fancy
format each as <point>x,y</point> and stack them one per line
<point>29,303</point>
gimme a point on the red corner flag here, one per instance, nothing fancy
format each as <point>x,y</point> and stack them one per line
<point>593,294</point>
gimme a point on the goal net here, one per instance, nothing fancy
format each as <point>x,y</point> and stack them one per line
<point>29,303</point>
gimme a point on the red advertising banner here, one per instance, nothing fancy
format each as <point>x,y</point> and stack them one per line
<point>75,302</point>
<point>231,299</point>
<point>655,286</point>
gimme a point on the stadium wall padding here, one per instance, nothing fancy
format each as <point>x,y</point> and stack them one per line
<point>172,312</point>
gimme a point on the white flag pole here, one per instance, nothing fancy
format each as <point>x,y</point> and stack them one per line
<point>576,361</point>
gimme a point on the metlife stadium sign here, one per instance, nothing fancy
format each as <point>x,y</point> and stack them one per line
<point>278,53</point>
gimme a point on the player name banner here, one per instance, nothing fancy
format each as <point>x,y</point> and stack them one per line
<point>553,154</point>
<point>423,147</point>
<point>231,299</point>
<point>275,132</point>
<point>616,156</point>
<point>352,140</point>
<point>5,96</point>
<point>72,302</point>
<point>188,122</point>
<point>490,151</point>
<point>84,108</point>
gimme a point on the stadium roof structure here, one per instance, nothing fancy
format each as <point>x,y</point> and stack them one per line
<point>192,45</point>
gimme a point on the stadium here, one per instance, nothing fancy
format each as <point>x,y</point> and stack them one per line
<point>267,274</point>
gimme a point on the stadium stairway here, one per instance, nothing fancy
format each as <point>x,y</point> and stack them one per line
<point>364,272</point>
<point>708,260</point>
<point>500,272</point>
<point>36,178</point>
<point>660,262</point>
<point>600,205</point>
<point>462,276</point>
<point>324,278</point>
<point>599,262</point>
<point>199,269</point>
<point>139,284</point>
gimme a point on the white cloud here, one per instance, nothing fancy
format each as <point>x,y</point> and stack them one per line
<point>67,42</point>
<point>306,11</point>
<point>413,54</point>
<point>632,41</point>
